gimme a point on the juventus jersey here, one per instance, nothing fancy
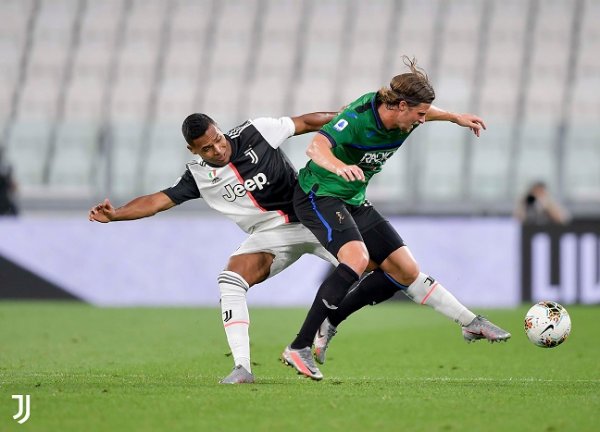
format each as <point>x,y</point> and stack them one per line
<point>255,188</point>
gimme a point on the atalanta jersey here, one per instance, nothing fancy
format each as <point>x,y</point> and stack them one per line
<point>255,188</point>
<point>357,137</point>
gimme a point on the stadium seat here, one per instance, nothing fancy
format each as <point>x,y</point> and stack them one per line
<point>27,150</point>
<point>537,159</point>
<point>165,157</point>
<point>490,162</point>
<point>582,161</point>
<point>75,152</point>
<point>442,161</point>
<point>125,149</point>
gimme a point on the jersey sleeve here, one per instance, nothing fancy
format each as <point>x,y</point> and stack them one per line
<point>275,131</point>
<point>341,131</point>
<point>184,189</point>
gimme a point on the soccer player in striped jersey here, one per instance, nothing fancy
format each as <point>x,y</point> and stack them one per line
<point>330,201</point>
<point>245,176</point>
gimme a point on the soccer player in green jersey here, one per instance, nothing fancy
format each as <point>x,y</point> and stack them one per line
<point>330,200</point>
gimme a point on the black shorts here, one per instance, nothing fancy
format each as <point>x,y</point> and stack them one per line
<point>336,223</point>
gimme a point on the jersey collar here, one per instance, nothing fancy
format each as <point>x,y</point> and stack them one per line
<point>376,113</point>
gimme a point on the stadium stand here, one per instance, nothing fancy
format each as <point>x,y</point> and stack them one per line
<point>93,93</point>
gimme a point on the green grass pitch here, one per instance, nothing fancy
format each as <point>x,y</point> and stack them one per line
<point>391,367</point>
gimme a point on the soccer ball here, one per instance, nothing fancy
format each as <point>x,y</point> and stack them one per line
<point>547,324</point>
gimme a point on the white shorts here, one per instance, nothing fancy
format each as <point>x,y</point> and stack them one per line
<point>287,243</point>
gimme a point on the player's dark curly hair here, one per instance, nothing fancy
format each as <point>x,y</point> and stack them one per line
<point>195,125</point>
<point>412,87</point>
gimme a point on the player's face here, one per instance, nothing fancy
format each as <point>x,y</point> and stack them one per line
<point>407,117</point>
<point>213,147</point>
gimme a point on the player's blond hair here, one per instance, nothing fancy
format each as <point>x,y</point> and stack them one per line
<point>412,87</point>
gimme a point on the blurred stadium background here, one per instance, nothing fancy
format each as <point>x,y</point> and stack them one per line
<point>93,94</point>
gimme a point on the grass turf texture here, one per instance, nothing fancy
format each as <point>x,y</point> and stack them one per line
<point>391,367</point>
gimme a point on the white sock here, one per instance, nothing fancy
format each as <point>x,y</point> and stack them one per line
<point>236,320</point>
<point>426,290</point>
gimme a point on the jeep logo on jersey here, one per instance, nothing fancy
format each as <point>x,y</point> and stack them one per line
<point>376,159</point>
<point>239,190</point>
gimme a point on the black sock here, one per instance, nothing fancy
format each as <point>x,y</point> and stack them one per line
<point>371,290</point>
<point>330,294</point>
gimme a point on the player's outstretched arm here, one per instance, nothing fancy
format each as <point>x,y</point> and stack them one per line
<point>320,153</point>
<point>473,122</point>
<point>312,122</point>
<point>140,207</point>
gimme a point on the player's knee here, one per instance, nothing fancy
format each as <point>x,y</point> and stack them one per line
<point>232,284</point>
<point>253,268</point>
<point>355,255</point>
<point>406,274</point>
<point>410,273</point>
<point>402,267</point>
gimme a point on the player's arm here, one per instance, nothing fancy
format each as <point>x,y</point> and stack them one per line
<point>312,122</point>
<point>466,120</point>
<point>319,151</point>
<point>140,207</point>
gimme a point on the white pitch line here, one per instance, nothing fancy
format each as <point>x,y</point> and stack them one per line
<point>149,377</point>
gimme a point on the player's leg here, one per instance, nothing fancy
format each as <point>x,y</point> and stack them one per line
<point>332,224</point>
<point>373,288</point>
<point>262,255</point>
<point>381,240</point>
<point>242,271</point>
<point>399,271</point>
<point>402,269</point>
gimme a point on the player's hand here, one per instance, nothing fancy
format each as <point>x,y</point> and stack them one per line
<point>472,122</point>
<point>351,173</point>
<point>103,212</point>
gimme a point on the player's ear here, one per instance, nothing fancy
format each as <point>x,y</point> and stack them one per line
<point>189,147</point>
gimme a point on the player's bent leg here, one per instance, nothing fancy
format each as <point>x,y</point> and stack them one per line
<point>329,296</point>
<point>235,316</point>
<point>428,291</point>
<point>402,268</point>
<point>374,288</point>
